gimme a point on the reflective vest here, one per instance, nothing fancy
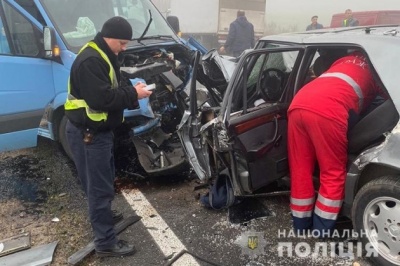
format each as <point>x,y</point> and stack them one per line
<point>73,103</point>
<point>351,82</point>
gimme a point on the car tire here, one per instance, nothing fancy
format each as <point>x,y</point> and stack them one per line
<point>63,137</point>
<point>376,218</point>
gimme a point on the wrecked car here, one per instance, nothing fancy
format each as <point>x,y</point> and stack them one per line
<point>241,130</point>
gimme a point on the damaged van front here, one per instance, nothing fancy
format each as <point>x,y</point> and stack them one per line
<point>43,38</point>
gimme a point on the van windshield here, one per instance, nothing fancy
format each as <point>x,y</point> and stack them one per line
<point>78,21</point>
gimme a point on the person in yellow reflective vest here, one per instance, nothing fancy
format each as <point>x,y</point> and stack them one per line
<point>97,97</point>
<point>349,21</point>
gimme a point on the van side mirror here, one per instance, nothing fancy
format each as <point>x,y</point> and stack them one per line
<point>49,43</point>
<point>173,21</point>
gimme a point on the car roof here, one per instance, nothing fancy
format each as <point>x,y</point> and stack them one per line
<point>381,43</point>
<point>341,35</point>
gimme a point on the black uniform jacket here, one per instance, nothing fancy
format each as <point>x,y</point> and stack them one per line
<point>91,82</point>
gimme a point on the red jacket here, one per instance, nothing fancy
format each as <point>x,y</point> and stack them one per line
<point>333,97</point>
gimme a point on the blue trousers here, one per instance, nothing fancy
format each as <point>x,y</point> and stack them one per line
<point>320,226</point>
<point>96,171</point>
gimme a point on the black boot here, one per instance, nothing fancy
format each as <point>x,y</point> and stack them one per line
<point>117,216</point>
<point>121,248</point>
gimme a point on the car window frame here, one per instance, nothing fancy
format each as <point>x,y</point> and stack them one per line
<point>226,107</point>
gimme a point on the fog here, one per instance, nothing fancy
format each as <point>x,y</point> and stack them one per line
<point>298,13</point>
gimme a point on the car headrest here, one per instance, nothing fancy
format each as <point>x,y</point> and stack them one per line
<point>321,65</point>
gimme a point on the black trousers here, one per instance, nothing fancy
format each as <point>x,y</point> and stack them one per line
<point>96,171</point>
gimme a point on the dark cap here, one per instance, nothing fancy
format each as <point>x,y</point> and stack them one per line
<point>240,13</point>
<point>117,28</point>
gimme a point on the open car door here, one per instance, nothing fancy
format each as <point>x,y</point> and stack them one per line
<point>214,72</point>
<point>254,113</point>
<point>189,130</point>
<point>252,116</point>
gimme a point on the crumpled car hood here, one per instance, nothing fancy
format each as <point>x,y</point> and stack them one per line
<point>217,68</point>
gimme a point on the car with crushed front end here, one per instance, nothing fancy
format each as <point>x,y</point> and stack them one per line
<point>240,128</point>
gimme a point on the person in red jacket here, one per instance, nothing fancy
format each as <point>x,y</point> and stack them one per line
<point>317,132</point>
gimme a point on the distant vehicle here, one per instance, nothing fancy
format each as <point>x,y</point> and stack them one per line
<point>243,136</point>
<point>208,20</point>
<point>367,18</point>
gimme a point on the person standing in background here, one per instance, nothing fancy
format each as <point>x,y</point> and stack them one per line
<point>240,36</point>
<point>314,24</point>
<point>349,21</point>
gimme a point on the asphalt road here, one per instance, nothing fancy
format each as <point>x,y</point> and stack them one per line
<point>173,220</point>
<point>211,235</point>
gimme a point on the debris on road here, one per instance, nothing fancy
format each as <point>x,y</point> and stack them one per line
<point>82,253</point>
<point>183,252</point>
<point>15,244</point>
<point>36,256</point>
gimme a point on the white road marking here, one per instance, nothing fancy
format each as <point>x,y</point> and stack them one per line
<point>162,234</point>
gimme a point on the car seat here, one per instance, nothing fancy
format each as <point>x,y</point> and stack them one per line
<point>320,66</point>
<point>370,129</point>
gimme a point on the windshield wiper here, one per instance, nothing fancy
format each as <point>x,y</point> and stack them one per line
<point>147,27</point>
<point>154,37</point>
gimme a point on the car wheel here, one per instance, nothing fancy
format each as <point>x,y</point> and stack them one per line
<point>376,217</point>
<point>63,137</point>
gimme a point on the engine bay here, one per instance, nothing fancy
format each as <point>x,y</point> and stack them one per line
<point>158,146</point>
<point>169,70</point>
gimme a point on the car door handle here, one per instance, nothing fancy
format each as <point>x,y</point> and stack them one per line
<point>263,148</point>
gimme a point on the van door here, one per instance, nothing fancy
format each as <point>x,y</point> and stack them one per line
<point>27,84</point>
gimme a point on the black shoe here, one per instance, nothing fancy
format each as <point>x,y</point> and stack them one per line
<point>117,216</point>
<point>121,248</point>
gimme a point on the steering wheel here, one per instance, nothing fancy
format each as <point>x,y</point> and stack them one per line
<point>271,84</point>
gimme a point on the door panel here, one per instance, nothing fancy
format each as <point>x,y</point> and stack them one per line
<point>27,84</point>
<point>256,117</point>
<point>261,138</point>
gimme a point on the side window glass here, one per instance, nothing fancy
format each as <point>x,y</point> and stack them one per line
<point>4,46</point>
<point>321,60</point>
<point>32,9</point>
<point>268,75</point>
<point>23,33</point>
<point>256,70</point>
<point>313,72</point>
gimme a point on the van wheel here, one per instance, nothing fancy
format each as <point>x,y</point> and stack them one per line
<point>63,137</point>
<point>376,217</point>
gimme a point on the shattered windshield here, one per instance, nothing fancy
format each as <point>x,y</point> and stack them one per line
<point>78,21</point>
